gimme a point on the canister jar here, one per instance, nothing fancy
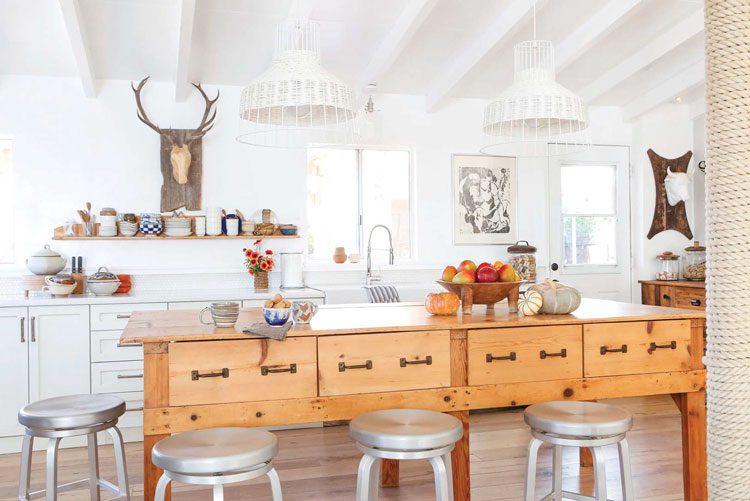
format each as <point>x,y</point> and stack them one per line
<point>669,266</point>
<point>694,266</point>
<point>523,260</point>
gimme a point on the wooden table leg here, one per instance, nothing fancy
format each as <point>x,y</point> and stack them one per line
<point>389,473</point>
<point>461,462</point>
<point>694,471</point>
<point>151,473</point>
<point>155,395</point>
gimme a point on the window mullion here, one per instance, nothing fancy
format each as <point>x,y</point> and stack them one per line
<point>360,194</point>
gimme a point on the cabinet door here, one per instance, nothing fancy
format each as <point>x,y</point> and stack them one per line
<point>58,351</point>
<point>14,368</point>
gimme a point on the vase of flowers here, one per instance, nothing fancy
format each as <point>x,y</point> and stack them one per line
<point>258,264</point>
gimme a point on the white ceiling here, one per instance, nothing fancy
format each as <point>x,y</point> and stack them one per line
<point>438,48</point>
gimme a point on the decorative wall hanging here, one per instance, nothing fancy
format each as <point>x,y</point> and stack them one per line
<point>181,155</point>
<point>672,181</point>
<point>484,199</point>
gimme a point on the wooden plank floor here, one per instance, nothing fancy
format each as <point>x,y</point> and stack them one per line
<point>321,463</point>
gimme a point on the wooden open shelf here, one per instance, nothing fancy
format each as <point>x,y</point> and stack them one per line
<point>59,234</point>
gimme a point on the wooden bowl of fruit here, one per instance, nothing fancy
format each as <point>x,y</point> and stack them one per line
<point>486,284</point>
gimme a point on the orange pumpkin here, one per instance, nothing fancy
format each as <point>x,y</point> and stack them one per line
<point>442,303</point>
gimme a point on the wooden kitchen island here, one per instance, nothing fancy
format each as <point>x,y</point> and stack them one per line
<point>357,358</point>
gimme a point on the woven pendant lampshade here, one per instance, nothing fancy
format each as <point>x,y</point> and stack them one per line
<point>536,116</point>
<point>296,102</point>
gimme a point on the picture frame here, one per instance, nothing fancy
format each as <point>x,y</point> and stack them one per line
<point>484,199</point>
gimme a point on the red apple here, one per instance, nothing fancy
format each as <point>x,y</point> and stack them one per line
<point>483,265</point>
<point>467,264</point>
<point>487,274</point>
<point>506,274</point>
<point>448,273</point>
<point>465,277</point>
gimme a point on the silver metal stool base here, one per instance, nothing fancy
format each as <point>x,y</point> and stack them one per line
<point>94,482</point>
<point>368,475</point>
<point>219,480</point>
<point>600,474</point>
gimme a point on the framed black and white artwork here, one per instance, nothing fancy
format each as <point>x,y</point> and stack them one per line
<point>484,200</point>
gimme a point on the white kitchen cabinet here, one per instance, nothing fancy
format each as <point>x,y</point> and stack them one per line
<point>58,351</point>
<point>197,305</point>
<point>14,368</point>
<point>105,317</point>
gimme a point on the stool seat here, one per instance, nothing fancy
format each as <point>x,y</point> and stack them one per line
<point>215,450</point>
<point>71,411</point>
<point>406,429</point>
<point>578,419</point>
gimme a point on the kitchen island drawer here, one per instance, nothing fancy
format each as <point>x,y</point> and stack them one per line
<point>515,355</point>
<point>106,317</point>
<point>106,347</point>
<point>368,363</point>
<point>636,347</point>
<point>690,298</point>
<point>116,377</point>
<point>213,372</point>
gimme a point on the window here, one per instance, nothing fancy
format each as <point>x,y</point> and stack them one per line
<point>6,200</point>
<point>351,190</point>
<point>589,215</point>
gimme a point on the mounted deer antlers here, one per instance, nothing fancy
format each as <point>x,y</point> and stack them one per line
<point>180,156</point>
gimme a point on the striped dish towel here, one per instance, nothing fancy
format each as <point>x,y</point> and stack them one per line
<point>382,294</point>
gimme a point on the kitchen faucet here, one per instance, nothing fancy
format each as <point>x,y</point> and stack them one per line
<point>369,278</point>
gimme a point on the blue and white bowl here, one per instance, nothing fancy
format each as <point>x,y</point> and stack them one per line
<point>151,224</point>
<point>276,316</point>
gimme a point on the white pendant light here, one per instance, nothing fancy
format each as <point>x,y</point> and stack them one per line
<point>296,102</point>
<point>535,116</point>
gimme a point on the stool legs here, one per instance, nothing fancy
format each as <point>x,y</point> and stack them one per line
<point>367,475</point>
<point>443,492</point>
<point>276,484</point>
<point>25,476</point>
<point>93,466</point>
<point>52,448</point>
<point>161,487</point>
<point>625,474</point>
<point>557,484</point>
<point>218,492</point>
<point>600,474</point>
<point>121,465</point>
<point>534,445</point>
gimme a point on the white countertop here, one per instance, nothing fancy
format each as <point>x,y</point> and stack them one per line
<point>168,296</point>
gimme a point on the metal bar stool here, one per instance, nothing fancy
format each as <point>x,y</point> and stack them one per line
<point>405,434</point>
<point>578,424</point>
<point>70,416</point>
<point>217,456</point>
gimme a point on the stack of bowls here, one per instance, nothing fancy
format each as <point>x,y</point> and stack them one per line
<point>107,223</point>
<point>150,224</point>
<point>128,229</point>
<point>213,221</point>
<point>178,227</point>
<point>59,285</point>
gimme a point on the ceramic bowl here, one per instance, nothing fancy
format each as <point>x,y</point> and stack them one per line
<point>104,288</point>
<point>276,316</point>
<point>59,290</point>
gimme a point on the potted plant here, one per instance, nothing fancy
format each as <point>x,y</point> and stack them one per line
<point>258,264</point>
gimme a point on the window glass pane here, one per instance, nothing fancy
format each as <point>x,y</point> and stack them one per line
<point>589,240</point>
<point>332,202</point>
<point>385,200</point>
<point>6,201</point>
<point>588,189</point>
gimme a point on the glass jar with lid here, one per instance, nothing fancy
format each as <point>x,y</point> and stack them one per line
<point>694,267</point>
<point>523,260</point>
<point>669,266</point>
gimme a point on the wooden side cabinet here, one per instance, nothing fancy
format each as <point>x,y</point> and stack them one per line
<point>674,293</point>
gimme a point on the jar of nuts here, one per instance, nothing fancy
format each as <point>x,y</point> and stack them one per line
<point>523,260</point>
<point>694,267</point>
<point>669,266</point>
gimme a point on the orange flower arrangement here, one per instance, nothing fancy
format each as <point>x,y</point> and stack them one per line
<point>257,261</point>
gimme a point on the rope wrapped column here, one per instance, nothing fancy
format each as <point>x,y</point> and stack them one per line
<point>728,237</point>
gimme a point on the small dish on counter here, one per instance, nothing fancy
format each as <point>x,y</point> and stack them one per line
<point>59,285</point>
<point>103,283</point>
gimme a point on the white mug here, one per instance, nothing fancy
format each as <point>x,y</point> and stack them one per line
<point>233,226</point>
<point>200,226</point>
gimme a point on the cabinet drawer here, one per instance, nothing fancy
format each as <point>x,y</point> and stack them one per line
<point>688,297</point>
<point>524,354</point>
<point>105,347</point>
<point>116,377</point>
<point>368,363</point>
<point>115,316</point>
<point>636,347</point>
<point>238,371</point>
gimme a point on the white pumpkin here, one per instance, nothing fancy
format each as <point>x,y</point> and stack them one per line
<point>530,303</point>
<point>557,299</point>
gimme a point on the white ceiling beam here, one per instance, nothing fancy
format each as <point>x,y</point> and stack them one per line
<point>666,91</point>
<point>508,21</point>
<point>184,44</point>
<point>646,55</point>
<point>396,40</point>
<point>592,30</point>
<point>71,11</point>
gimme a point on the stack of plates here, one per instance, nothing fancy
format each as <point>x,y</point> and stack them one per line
<point>107,226</point>
<point>128,229</point>
<point>178,227</point>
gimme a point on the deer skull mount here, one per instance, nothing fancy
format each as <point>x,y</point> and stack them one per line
<point>181,154</point>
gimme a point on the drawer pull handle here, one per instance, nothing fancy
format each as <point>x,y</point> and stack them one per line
<point>223,373</point>
<point>133,409</point>
<point>604,350</point>
<point>695,302</point>
<point>265,370</point>
<point>23,330</point>
<point>427,361</point>
<point>653,347</point>
<point>666,297</point>
<point>563,354</point>
<point>128,345</point>
<point>367,365</point>
<point>511,357</point>
<point>122,316</point>
<point>130,376</point>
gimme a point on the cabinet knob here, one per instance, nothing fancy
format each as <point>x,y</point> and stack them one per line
<point>695,302</point>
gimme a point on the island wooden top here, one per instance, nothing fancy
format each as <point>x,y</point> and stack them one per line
<point>183,325</point>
